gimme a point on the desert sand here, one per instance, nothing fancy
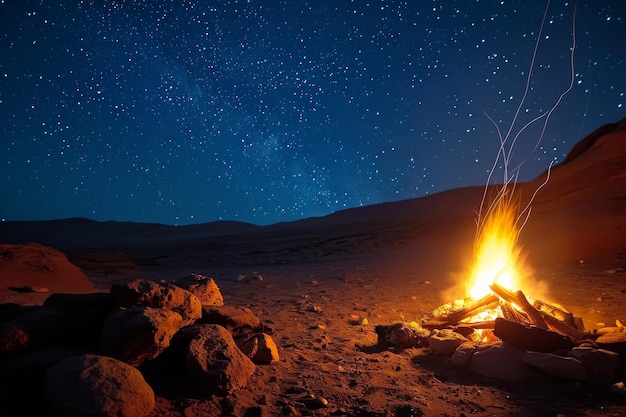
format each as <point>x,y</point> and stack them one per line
<point>386,263</point>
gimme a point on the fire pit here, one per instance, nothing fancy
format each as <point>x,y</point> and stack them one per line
<point>497,330</point>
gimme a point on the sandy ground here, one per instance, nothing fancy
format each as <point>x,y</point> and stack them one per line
<point>326,354</point>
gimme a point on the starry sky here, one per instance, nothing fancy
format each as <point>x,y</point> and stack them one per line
<point>264,111</point>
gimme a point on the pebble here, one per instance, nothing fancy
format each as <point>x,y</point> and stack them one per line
<point>315,403</point>
<point>618,388</point>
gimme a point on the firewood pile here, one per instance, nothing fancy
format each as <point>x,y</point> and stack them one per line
<point>514,311</point>
<point>507,336</point>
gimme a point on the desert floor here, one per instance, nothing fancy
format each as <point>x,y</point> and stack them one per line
<point>314,309</point>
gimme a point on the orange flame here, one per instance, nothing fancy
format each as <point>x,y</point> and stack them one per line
<point>496,254</point>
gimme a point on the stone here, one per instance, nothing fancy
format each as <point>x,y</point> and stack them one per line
<point>402,335</point>
<point>463,355</point>
<point>215,361</point>
<point>610,335</point>
<point>92,385</point>
<point>597,362</point>
<point>138,334</point>
<point>613,339</point>
<point>202,287</point>
<point>618,388</point>
<point>22,374</point>
<point>33,266</point>
<point>147,293</point>
<point>260,348</point>
<point>500,361</point>
<point>238,320</point>
<point>248,278</point>
<point>562,367</point>
<point>85,313</point>
<point>445,342</point>
<point>30,326</point>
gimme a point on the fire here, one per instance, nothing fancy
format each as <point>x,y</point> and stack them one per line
<point>496,255</point>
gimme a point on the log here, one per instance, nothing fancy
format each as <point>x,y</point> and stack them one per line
<point>510,313</point>
<point>478,325</point>
<point>482,303</point>
<point>454,318</point>
<point>531,338</point>
<point>534,315</point>
<point>560,327</point>
<point>562,315</point>
<point>519,299</point>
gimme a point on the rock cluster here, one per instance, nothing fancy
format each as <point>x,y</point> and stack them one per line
<point>519,353</point>
<point>107,354</point>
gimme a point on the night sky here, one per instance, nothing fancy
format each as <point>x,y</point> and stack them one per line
<point>264,111</point>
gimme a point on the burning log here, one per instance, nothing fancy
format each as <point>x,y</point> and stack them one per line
<point>562,315</point>
<point>454,318</point>
<point>518,298</point>
<point>560,327</point>
<point>511,314</point>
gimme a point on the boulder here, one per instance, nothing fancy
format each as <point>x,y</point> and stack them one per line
<point>215,361</point>
<point>561,367</point>
<point>92,385</point>
<point>613,339</point>
<point>147,293</point>
<point>138,334</point>
<point>238,320</point>
<point>30,326</point>
<point>260,348</point>
<point>202,287</point>
<point>85,313</point>
<point>463,355</point>
<point>500,361</point>
<point>37,266</point>
<point>597,362</point>
<point>445,342</point>
<point>22,375</point>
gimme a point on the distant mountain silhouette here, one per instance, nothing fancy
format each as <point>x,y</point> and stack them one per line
<point>580,213</point>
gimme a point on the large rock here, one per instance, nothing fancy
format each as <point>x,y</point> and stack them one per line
<point>500,361</point>
<point>22,375</point>
<point>202,287</point>
<point>598,362</point>
<point>85,313</point>
<point>613,339</point>
<point>463,355</point>
<point>37,266</point>
<point>138,334</point>
<point>561,367</point>
<point>238,320</point>
<point>147,293</point>
<point>216,362</point>
<point>91,385</point>
<point>30,326</point>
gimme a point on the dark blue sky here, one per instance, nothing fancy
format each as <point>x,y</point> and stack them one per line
<point>264,111</point>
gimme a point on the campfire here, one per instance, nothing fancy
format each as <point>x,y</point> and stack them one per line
<point>498,330</point>
<point>494,298</point>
